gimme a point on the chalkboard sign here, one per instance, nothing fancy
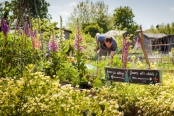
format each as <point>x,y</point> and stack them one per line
<point>133,75</point>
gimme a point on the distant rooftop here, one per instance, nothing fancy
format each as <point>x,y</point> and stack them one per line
<point>57,28</point>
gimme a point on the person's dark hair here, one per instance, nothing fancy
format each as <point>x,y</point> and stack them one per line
<point>109,39</point>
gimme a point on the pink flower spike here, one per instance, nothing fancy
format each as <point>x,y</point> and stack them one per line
<point>39,44</point>
<point>81,47</point>
<point>53,46</point>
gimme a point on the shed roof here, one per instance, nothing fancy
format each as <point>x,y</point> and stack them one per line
<point>154,35</point>
<point>170,35</point>
<point>57,28</point>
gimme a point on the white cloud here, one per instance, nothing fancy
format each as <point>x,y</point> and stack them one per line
<point>72,4</point>
<point>172,9</point>
<point>64,13</point>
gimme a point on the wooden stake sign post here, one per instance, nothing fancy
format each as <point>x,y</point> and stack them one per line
<point>137,76</point>
<point>141,36</point>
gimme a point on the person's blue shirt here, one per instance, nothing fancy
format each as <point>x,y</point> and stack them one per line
<point>101,38</point>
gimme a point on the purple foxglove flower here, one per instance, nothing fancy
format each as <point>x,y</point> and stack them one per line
<point>17,27</point>
<point>76,46</point>
<point>33,34</point>
<point>81,47</point>
<point>20,32</point>
<point>78,39</point>
<point>4,26</point>
<point>125,48</point>
<point>53,46</point>
<point>26,29</point>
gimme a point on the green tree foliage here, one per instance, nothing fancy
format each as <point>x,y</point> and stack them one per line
<point>167,28</point>
<point>162,28</point>
<point>4,9</point>
<point>152,29</point>
<point>42,8</point>
<point>22,9</point>
<point>89,13</point>
<point>123,19</point>
<point>92,29</point>
<point>172,28</point>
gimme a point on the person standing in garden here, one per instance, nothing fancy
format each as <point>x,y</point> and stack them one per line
<point>106,45</point>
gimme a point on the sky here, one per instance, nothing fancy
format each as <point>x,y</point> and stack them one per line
<point>147,12</point>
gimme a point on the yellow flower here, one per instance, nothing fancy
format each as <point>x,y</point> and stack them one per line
<point>139,111</point>
<point>63,105</point>
<point>172,107</point>
<point>63,88</point>
<point>30,66</point>
<point>77,86</point>
<point>35,77</point>
<point>116,106</point>
<point>46,100</point>
<point>77,106</point>
<point>84,91</point>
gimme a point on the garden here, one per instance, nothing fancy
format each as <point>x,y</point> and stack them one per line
<point>42,75</point>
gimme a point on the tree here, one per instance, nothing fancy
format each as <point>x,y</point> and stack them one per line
<point>172,28</point>
<point>162,28</point>
<point>89,13</point>
<point>22,9</point>
<point>123,18</point>
<point>152,29</point>
<point>92,29</point>
<point>167,29</point>
<point>4,9</point>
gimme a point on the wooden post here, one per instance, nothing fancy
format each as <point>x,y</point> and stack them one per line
<point>141,36</point>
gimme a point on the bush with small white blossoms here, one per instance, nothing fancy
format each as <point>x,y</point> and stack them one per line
<point>36,94</point>
<point>158,100</point>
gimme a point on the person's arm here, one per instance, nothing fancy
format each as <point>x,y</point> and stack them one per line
<point>112,56</point>
<point>97,42</point>
<point>113,52</point>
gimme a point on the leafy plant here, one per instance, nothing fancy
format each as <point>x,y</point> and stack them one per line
<point>19,52</point>
<point>56,59</point>
<point>79,56</point>
<point>117,61</point>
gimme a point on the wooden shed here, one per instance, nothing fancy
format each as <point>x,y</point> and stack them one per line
<point>66,32</point>
<point>149,40</point>
<point>162,44</point>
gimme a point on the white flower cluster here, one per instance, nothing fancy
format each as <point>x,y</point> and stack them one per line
<point>158,100</point>
<point>36,94</point>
